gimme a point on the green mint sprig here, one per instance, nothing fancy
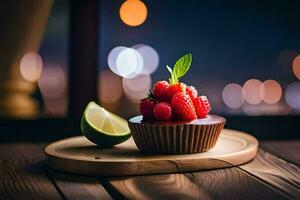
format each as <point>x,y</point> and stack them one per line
<point>180,68</point>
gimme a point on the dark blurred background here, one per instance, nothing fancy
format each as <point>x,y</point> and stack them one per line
<point>246,59</point>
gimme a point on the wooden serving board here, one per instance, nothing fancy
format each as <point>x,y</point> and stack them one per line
<point>79,155</point>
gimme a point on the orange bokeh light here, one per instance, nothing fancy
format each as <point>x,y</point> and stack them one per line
<point>133,12</point>
<point>296,66</point>
<point>271,91</point>
<point>251,91</point>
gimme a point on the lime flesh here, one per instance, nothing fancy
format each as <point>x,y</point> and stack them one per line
<point>103,127</point>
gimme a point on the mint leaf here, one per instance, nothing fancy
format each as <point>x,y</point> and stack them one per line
<point>181,66</point>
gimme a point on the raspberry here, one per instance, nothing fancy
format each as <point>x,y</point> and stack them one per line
<point>183,107</point>
<point>146,107</point>
<point>178,87</point>
<point>161,91</point>
<point>162,111</point>
<point>202,106</point>
<point>192,92</point>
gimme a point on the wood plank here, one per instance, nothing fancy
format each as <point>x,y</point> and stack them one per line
<point>166,186</point>
<point>274,171</point>
<point>25,180</point>
<point>22,151</point>
<point>24,165</point>
<point>287,150</point>
<point>78,187</point>
<point>232,183</point>
<point>229,183</point>
<point>22,175</point>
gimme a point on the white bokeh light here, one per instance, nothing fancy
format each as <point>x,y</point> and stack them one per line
<point>137,88</point>
<point>31,66</point>
<point>125,62</point>
<point>150,58</point>
<point>233,95</point>
<point>292,95</point>
<point>112,58</point>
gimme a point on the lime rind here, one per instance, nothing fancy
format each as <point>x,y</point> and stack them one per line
<point>115,125</point>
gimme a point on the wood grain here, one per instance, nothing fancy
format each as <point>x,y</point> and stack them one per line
<point>22,175</point>
<point>229,183</point>
<point>78,155</point>
<point>19,152</point>
<point>276,172</point>
<point>233,183</point>
<point>25,181</point>
<point>78,187</point>
<point>166,186</point>
<point>287,150</point>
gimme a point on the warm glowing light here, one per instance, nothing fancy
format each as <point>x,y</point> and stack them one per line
<point>56,107</point>
<point>53,82</point>
<point>125,62</point>
<point>31,66</point>
<point>110,87</point>
<point>292,95</point>
<point>296,66</point>
<point>129,63</point>
<point>270,91</point>
<point>150,58</point>
<point>233,95</point>
<point>133,12</point>
<point>137,88</point>
<point>251,91</point>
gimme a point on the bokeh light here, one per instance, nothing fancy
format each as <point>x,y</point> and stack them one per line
<point>31,66</point>
<point>133,12</point>
<point>56,107</point>
<point>233,95</point>
<point>292,95</point>
<point>53,82</point>
<point>125,62</point>
<point>137,88</point>
<point>110,87</point>
<point>296,66</point>
<point>150,58</point>
<point>129,63</point>
<point>251,91</point>
<point>271,91</point>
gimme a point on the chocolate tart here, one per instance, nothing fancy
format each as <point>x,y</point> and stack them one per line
<point>196,136</point>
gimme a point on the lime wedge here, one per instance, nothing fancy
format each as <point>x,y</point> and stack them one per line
<point>103,127</point>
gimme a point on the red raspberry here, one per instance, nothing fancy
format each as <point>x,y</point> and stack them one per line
<point>161,91</point>
<point>178,87</point>
<point>146,107</point>
<point>162,111</point>
<point>202,106</point>
<point>183,107</point>
<point>192,92</point>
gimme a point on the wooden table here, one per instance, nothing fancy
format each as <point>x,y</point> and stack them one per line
<point>273,174</point>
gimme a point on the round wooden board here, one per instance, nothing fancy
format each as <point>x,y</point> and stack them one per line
<point>78,155</point>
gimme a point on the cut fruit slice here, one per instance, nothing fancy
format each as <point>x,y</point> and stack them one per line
<point>103,127</point>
